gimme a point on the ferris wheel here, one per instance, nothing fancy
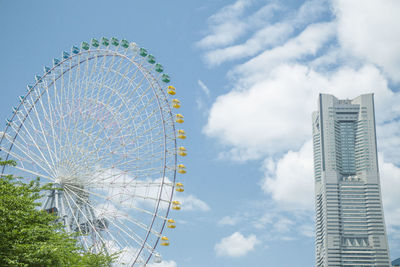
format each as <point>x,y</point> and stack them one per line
<point>99,125</point>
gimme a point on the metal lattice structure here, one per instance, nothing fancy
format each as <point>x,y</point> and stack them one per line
<point>99,124</point>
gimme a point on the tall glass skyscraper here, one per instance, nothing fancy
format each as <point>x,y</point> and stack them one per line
<point>350,227</point>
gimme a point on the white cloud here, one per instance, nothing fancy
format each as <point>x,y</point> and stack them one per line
<point>275,223</point>
<point>307,43</point>
<point>228,220</point>
<point>265,37</point>
<point>236,245</point>
<point>225,25</point>
<point>261,119</point>
<point>163,264</point>
<point>389,140</point>
<point>191,203</point>
<point>264,33</point>
<point>307,230</point>
<point>370,30</point>
<point>125,255</point>
<point>290,182</point>
<point>283,225</point>
<point>390,183</point>
<point>264,220</point>
<point>204,88</point>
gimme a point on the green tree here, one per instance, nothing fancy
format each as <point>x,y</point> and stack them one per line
<point>29,236</point>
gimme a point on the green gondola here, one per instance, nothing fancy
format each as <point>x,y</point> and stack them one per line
<point>124,43</point>
<point>159,67</point>
<point>114,41</point>
<point>105,41</point>
<point>142,52</point>
<point>165,78</point>
<point>95,43</point>
<point>151,59</point>
<point>85,46</point>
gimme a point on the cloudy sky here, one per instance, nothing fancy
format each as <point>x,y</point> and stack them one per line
<point>248,74</point>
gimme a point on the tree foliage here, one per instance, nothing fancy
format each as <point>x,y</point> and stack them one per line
<point>31,237</point>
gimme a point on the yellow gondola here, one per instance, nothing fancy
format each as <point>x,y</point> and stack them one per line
<point>171,90</point>
<point>179,118</point>
<point>179,187</point>
<point>182,151</point>
<point>181,168</point>
<point>176,103</point>
<point>181,134</point>
<point>164,241</point>
<point>171,224</point>
<point>176,205</point>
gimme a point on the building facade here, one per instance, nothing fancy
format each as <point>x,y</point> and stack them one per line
<point>350,226</point>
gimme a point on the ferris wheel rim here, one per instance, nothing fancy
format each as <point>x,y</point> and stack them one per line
<point>146,74</point>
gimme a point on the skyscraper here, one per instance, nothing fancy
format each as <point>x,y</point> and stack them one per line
<point>350,227</point>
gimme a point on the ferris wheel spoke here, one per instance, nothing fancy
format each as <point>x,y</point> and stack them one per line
<point>63,99</point>
<point>130,195</point>
<point>123,227</point>
<point>116,87</point>
<point>75,131</point>
<point>22,160</point>
<point>75,99</point>
<point>67,96</point>
<point>41,175</point>
<point>74,219</point>
<point>33,140</point>
<point>109,199</point>
<point>136,168</point>
<point>118,223</point>
<point>102,146</point>
<point>126,230</point>
<point>67,124</point>
<point>99,75</point>
<point>54,136</point>
<point>121,105</point>
<point>58,92</point>
<point>105,76</point>
<point>112,218</point>
<point>43,133</point>
<point>60,96</point>
<point>144,164</point>
<point>116,73</point>
<point>133,184</point>
<point>103,143</point>
<point>85,84</point>
<point>88,220</point>
<point>96,101</point>
<point>47,117</point>
<point>32,156</point>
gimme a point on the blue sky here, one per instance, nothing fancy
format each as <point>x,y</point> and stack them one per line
<point>248,74</point>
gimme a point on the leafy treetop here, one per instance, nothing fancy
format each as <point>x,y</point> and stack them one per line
<point>31,237</point>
